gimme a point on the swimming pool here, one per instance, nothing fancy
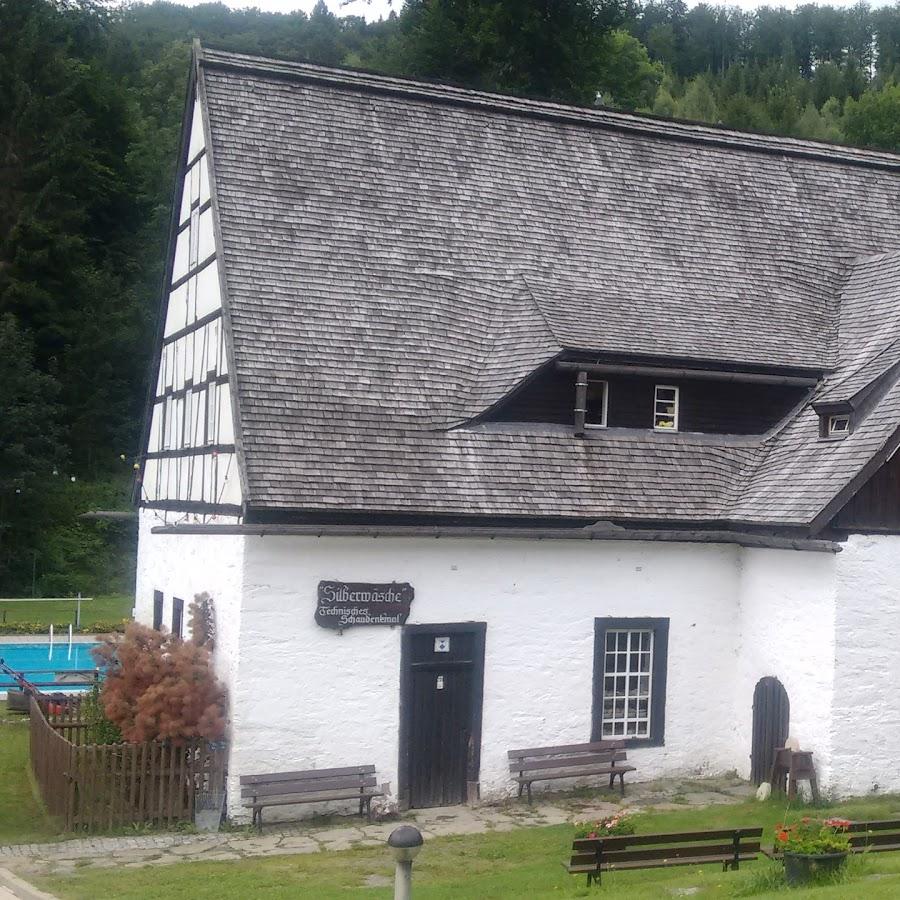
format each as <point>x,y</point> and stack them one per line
<point>37,664</point>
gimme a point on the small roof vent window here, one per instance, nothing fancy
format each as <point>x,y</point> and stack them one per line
<point>838,426</point>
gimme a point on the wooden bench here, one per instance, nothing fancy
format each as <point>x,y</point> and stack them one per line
<point>865,837</point>
<point>569,761</point>
<point>731,847</point>
<point>311,786</point>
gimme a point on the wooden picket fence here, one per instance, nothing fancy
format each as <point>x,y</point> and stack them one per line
<point>97,786</point>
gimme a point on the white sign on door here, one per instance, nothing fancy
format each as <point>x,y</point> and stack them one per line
<point>442,645</point>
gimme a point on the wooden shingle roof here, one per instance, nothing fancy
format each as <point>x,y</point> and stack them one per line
<point>399,256</point>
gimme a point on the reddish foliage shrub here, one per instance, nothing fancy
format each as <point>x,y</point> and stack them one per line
<point>203,621</point>
<point>159,687</point>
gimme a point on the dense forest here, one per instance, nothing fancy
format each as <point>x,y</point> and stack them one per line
<point>91,98</point>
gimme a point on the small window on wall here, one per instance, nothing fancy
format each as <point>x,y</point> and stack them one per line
<point>177,615</point>
<point>157,610</point>
<point>665,408</point>
<point>596,402</point>
<point>630,660</point>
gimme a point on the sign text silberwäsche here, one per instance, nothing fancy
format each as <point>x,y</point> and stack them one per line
<point>345,603</point>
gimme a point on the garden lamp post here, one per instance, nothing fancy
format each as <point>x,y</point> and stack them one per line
<point>405,843</point>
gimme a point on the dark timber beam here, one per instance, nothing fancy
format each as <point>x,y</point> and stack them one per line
<point>704,374</point>
<point>606,533</point>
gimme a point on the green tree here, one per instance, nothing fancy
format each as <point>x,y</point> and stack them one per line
<point>817,126</point>
<point>542,48</point>
<point>30,446</point>
<point>874,119</point>
<point>627,77</point>
<point>699,102</point>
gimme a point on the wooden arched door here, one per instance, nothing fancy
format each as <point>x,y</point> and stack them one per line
<point>771,721</point>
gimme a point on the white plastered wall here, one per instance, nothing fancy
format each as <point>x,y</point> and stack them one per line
<point>786,621</point>
<point>184,565</point>
<point>308,697</point>
<point>866,712</point>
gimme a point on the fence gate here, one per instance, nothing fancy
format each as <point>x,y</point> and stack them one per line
<point>771,721</point>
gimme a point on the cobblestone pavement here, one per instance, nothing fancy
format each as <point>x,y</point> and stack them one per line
<point>340,834</point>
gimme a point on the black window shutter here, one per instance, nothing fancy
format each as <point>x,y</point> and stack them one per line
<point>177,615</point>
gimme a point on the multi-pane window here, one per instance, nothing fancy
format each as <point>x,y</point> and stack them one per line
<point>596,401</point>
<point>630,660</point>
<point>627,682</point>
<point>665,408</point>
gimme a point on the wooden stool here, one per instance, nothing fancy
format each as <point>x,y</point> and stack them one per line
<point>792,766</point>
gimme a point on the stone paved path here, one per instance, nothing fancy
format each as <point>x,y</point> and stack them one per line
<point>166,849</point>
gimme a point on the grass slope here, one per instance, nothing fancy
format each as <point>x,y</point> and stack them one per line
<point>491,866</point>
<point>97,609</point>
<point>22,818</point>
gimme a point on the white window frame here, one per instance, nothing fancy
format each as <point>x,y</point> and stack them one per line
<point>212,410</point>
<point>168,429</point>
<point>632,696</point>
<point>835,432</point>
<point>194,240</point>
<point>187,419</point>
<point>675,403</point>
<point>605,404</point>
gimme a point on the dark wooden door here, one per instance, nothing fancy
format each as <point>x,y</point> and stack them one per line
<point>442,713</point>
<point>771,721</point>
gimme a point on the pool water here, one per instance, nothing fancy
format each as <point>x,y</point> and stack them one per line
<point>37,664</point>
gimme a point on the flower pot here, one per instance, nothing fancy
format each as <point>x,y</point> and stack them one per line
<point>800,868</point>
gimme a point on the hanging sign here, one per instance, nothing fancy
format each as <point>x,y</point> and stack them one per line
<point>345,603</point>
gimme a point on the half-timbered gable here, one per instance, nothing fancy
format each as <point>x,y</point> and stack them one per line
<point>190,463</point>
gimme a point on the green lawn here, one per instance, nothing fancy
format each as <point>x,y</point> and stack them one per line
<point>521,864</point>
<point>22,818</point>
<point>107,610</point>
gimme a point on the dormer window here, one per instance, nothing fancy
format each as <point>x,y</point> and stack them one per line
<point>596,403</point>
<point>665,408</point>
<point>838,426</point>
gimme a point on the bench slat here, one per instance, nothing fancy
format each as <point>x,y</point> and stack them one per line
<point>588,760</point>
<point>307,787</point>
<point>879,825</point>
<point>873,840</point>
<point>661,864</point>
<point>319,797</point>
<point>566,748</point>
<point>874,848</point>
<point>688,851</point>
<point>586,858</point>
<point>576,773</point>
<point>307,774</point>
<point>620,842</point>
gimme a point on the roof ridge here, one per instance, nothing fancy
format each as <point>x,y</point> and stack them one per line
<point>602,117</point>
